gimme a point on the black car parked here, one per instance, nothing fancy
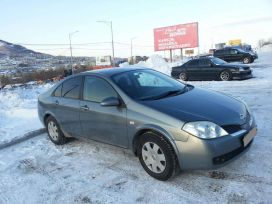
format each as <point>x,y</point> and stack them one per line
<point>235,55</point>
<point>205,68</point>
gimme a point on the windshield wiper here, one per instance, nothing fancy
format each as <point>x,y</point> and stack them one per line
<point>164,95</point>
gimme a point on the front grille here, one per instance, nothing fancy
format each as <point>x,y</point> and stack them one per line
<point>228,156</point>
<point>235,128</point>
<point>232,128</point>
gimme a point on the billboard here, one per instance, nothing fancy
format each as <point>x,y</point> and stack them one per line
<point>235,42</point>
<point>176,37</point>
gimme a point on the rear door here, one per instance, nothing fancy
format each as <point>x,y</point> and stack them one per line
<point>193,69</point>
<point>102,123</point>
<point>220,54</point>
<point>205,69</point>
<point>66,106</point>
<point>235,55</point>
<point>228,56</point>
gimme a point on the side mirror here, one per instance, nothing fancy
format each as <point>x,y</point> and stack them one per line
<point>111,101</point>
<point>210,65</point>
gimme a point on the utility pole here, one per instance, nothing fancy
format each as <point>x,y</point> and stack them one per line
<point>112,42</point>
<point>71,52</point>
<point>131,49</point>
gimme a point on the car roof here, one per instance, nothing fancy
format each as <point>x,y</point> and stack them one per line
<point>108,72</point>
<point>202,57</point>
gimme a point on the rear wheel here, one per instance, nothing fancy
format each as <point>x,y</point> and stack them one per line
<point>246,60</point>
<point>225,76</point>
<point>157,156</point>
<point>54,132</point>
<point>183,76</point>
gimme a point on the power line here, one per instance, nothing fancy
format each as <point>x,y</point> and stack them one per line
<point>78,44</point>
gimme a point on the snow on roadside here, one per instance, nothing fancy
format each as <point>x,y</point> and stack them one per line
<point>18,111</point>
<point>158,63</point>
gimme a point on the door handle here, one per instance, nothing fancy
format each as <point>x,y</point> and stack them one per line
<point>56,102</point>
<point>85,108</point>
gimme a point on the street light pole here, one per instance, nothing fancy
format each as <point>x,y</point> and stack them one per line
<point>71,52</point>
<point>131,48</point>
<point>112,45</point>
<point>112,42</point>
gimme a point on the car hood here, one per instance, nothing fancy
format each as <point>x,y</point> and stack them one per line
<point>237,66</point>
<point>201,105</point>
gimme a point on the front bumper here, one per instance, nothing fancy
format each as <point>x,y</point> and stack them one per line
<point>242,75</point>
<point>199,153</point>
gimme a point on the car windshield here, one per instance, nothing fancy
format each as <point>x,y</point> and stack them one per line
<point>216,60</point>
<point>148,84</point>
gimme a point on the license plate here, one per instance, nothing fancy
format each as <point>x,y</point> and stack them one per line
<point>249,136</point>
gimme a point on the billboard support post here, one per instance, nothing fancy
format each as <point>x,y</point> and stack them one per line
<point>181,54</point>
<point>171,56</point>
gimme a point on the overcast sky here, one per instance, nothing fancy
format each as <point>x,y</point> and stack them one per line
<point>50,22</point>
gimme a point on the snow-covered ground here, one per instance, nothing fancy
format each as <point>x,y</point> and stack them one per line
<point>37,171</point>
<point>18,111</point>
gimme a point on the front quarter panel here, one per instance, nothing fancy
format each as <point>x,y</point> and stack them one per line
<point>141,117</point>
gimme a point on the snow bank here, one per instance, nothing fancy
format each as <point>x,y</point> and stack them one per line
<point>156,62</point>
<point>18,111</point>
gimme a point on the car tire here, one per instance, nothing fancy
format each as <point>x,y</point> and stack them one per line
<point>225,75</point>
<point>157,156</point>
<point>54,132</point>
<point>183,76</point>
<point>247,60</point>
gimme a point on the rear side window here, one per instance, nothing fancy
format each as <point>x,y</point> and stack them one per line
<point>204,62</point>
<point>71,88</point>
<point>220,52</point>
<point>96,89</point>
<point>57,91</point>
<point>193,63</point>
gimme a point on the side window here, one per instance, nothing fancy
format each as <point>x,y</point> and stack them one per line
<point>233,52</point>
<point>96,89</point>
<point>71,88</point>
<point>193,63</point>
<point>204,63</point>
<point>227,52</point>
<point>219,52</point>
<point>57,91</point>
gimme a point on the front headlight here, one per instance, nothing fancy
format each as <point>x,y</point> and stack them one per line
<point>204,129</point>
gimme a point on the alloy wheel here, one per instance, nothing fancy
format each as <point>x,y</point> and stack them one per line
<point>183,76</point>
<point>246,60</point>
<point>225,76</point>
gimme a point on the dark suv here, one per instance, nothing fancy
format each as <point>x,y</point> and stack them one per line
<point>235,55</point>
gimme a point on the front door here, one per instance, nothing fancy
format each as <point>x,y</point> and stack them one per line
<point>102,123</point>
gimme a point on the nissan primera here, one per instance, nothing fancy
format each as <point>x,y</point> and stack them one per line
<point>167,124</point>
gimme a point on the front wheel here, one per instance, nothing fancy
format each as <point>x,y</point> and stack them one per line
<point>246,60</point>
<point>157,156</point>
<point>225,76</point>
